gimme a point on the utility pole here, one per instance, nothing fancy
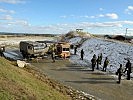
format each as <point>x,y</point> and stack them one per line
<point>126,33</point>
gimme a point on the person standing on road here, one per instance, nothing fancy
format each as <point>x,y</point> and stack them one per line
<point>93,61</point>
<point>128,69</point>
<point>53,56</point>
<point>98,61</point>
<point>2,50</point>
<point>119,73</point>
<point>106,62</point>
<point>82,54</point>
<point>75,49</point>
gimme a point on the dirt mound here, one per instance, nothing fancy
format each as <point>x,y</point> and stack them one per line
<point>73,34</point>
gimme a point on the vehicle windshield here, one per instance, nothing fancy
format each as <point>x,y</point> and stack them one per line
<point>39,46</point>
<point>65,49</point>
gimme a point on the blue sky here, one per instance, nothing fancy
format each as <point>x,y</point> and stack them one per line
<point>62,16</point>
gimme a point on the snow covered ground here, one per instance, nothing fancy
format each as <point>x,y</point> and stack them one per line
<point>117,52</point>
<point>16,40</point>
<point>14,55</point>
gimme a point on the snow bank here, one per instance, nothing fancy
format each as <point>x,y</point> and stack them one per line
<point>116,52</point>
<point>13,55</point>
<point>75,40</point>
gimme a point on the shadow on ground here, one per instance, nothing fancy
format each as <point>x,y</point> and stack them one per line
<point>74,67</point>
<point>95,81</point>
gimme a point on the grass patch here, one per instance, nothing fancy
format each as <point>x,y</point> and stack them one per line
<point>16,83</point>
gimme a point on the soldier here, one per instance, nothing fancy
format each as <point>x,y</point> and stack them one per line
<point>2,49</point>
<point>106,62</point>
<point>119,73</point>
<point>46,45</point>
<point>128,69</point>
<point>82,54</point>
<point>1,52</point>
<point>93,61</point>
<point>75,49</point>
<point>53,56</point>
<point>98,61</point>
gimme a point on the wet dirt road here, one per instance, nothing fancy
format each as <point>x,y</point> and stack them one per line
<point>96,83</point>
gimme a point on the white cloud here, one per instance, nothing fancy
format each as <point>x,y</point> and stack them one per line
<point>20,23</point>
<point>101,9</point>
<point>108,15</point>
<point>6,17</point>
<point>129,10</point>
<point>101,15</point>
<point>112,15</point>
<point>130,29</point>
<point>24,26</point>
<point>3,10</point>
<point>63,16</point>
<point>69,16</point>
<point>11,11</point>
<point>92,17</point>
<point>86,16</point>
<point>63,28</point>
<point>86,25</point>
<point>9,21</point>
<point>7,11</point>
<point>98,24</point>
<point>12,1</point>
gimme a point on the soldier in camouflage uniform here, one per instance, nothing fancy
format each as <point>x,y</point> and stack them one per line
<point>119,73</point>
<point>100,58</point>
<point>98,61</point>
<point>128,69</point>
<point>93,61</point>
<point>106,62</point>
<point>53,56</point>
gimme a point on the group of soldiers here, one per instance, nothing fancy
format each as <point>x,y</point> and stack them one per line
<point>81,53</point>
<point>128,70</point>
<point>96,61</point>
<point>120,71</point>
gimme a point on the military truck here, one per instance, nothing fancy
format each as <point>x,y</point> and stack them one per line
<point>32,49</point>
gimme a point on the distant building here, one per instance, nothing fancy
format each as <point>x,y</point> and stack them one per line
<point>79,30</point>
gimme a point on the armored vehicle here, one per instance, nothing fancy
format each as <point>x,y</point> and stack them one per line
<point>32,49</point>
